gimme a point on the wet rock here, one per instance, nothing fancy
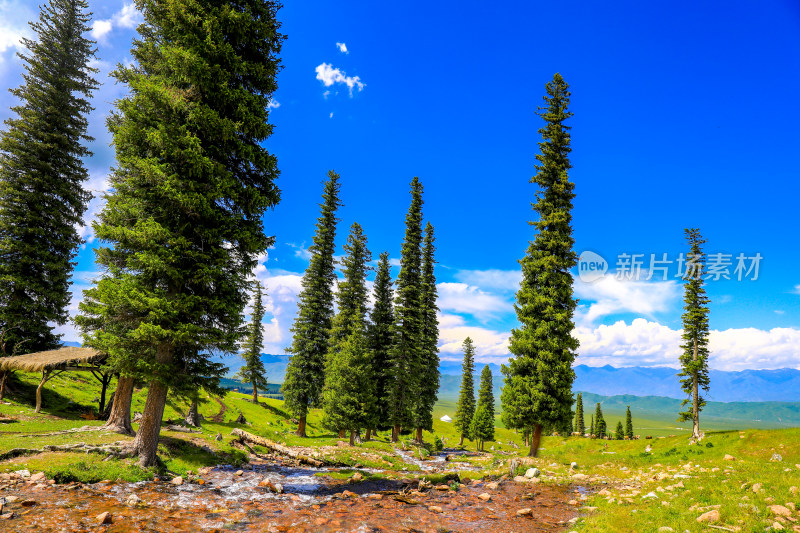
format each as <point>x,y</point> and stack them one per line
<point>533,472</point>
<point>11,499</point>
<point>729,457</point>
<point>7,516</point>
<point>357,477</point>
<point>177,480</point>
<point>37,477</point>
<point>435,508</point>
<point>23,473</point>
<point>780,510</point>
<point>28,503</point>
<point>349,494</point>
<point>442,487</point>
<point>239,473</point>
<point>493,485</point>
<point>710,516</point>
<point>104,518</point>
<point>484,496</point>
<point>525,511</point>
<point>133,501</point>
<point>424,484</point>
<point>277,488</point>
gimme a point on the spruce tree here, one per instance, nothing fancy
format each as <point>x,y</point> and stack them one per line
<point>182,228</point>
<point>482,426</point>
<point>253,371</point>
<point>486,402</point>
<point>305,374</point>
<point>591,427</point>
<point>380,334</point>
<point>406,353</point>
<point>694,359</point>
<point>428,376</point>
<point>580,424</point>
<point>539,376</point>
<point>465,408</point>
<point>42,199</point>
<point>629,424</point>
<point>620,432</point>
<point>349,393</point>
<point>599,423</point>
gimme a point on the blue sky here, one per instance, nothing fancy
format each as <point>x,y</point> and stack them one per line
<point>685,115</point>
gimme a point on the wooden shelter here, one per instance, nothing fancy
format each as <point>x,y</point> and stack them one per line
<point>53,362</point>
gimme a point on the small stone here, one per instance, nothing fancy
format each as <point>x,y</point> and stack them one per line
<point>780,510</point>
<point>28,503</point>
<point>7,516</point>
<point>794,490</point>
<point>133,500</point>
<point>776,458</point>
<point>435,508</point>
<point>650,495</point>
<point>177,480</point>
<point>665,529</point>
<point>357,477</point>
<point>37,477</point>
<point>605,493</point>
<point>791,506</point>
<point>574,503</point>
<point>493,485</point>
<point>756,487</point>
<point>525,511</point>
<point>579,476</point>
<point>484,496</point>
<point>710,516</point>
<point>442,487</point>
<point>239,473</point>
<point>729,457</point>
<point>573,465</point>
<point>349,494</point>
<point>104,518</point>
<point>777,526</point>
<point>532,472</point>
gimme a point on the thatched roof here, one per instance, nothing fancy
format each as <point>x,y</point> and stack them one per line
<point>50,360</point>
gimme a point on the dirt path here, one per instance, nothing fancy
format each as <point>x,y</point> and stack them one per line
<point>219,417</point>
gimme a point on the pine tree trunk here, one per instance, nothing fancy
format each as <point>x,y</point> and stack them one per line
<point>368,435</point>
<point>341,433</point>
<point>301,427</point>
<point>192,416</point>
<point>3,376</point>
<point>352,438</point>
<point>103,390</point>
<point>255,393</point>
<point>419,435</point>
<point>535,441</point>
<point>461,441</point>
<point>45,377</point>
<point>119,420</point>
<point>145,444</point>
<point>396,433</point>
<point>695,399</point>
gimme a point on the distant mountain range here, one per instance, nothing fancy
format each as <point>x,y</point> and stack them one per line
<point>782,385</point>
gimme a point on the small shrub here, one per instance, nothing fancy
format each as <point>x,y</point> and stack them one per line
<point>438,445</point>
<point>709,444</point>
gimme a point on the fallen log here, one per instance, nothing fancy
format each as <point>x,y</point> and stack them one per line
<point>244,436</point>
<point>119,450</point>
<point>183,429</point>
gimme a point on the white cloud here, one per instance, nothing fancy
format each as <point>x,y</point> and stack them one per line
<point>490,346</point>
<point>342,48</point>
<point>331,115</point>
<point>329,75</point>
<point>505,280</point>
<point>739,349</point>
<point>796,289</point>
<point>14,17</point>
<point>273,104</point>
<point>463,298</point>
<point>128,17</point>
<point>610,296</point>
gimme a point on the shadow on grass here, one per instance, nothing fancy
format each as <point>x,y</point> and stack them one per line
<point>53,403</point>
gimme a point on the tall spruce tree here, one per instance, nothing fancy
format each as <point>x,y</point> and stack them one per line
<point>182,227</point>
<point>380,333</point>
<point>406,353</point>
<point>349,392</point>
<point>538,379</point>
<point>628,424</point>
<point>486,402</point>
<point>591,427</point>
<point>599,423</point>
<point>619,434</point>
<point>429,356</point>
<point>305,374</point>
<point>465,409</point>
<point>580,423</point>
<point>694,359</point>
<point>42,199</point>
<point>253,371</point>
<point>482,426</point>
